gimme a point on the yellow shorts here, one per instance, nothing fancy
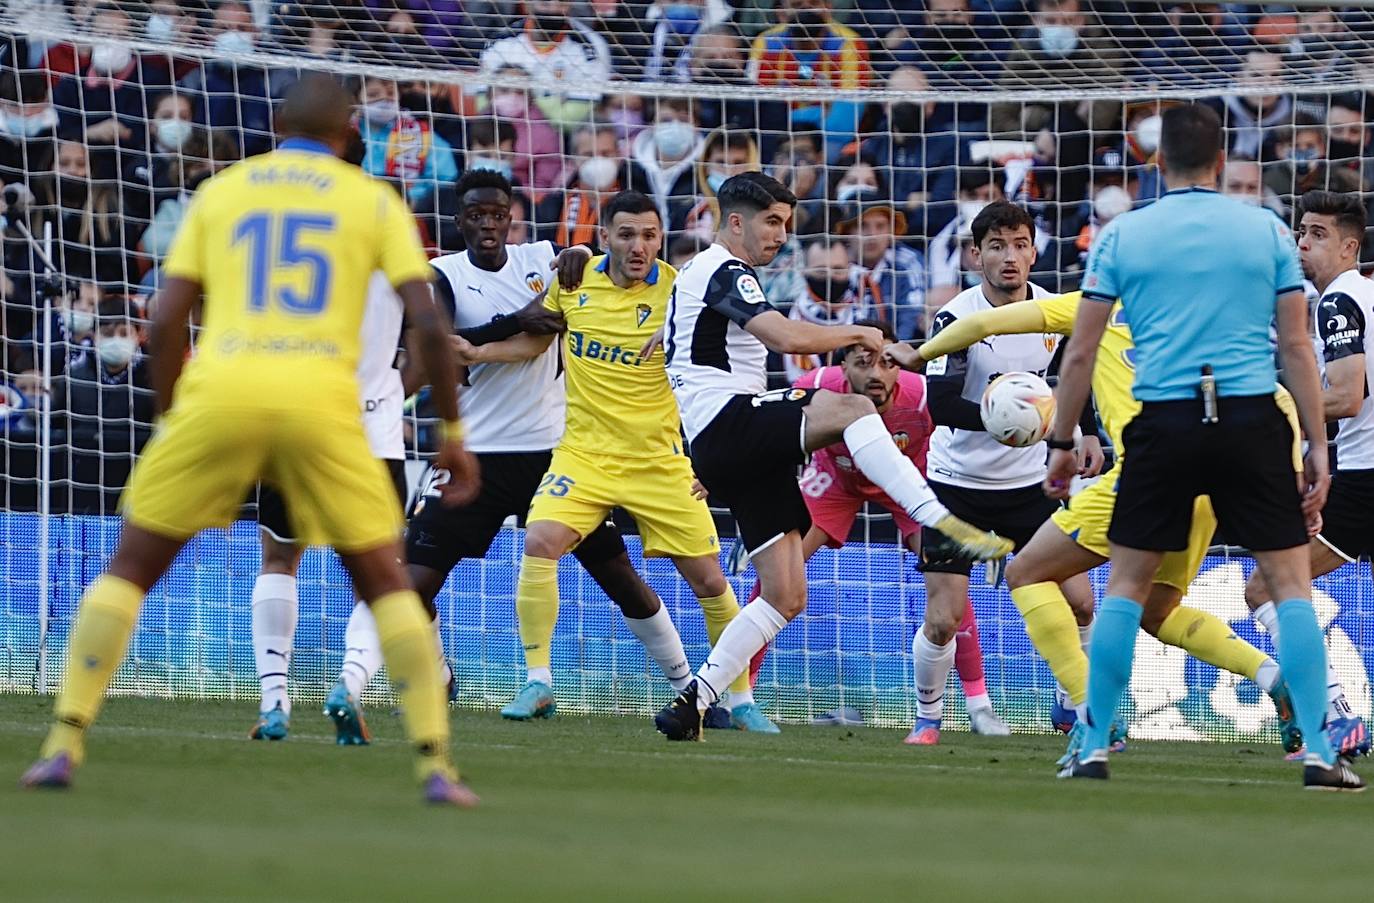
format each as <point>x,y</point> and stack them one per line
<point>580,490</point>
<point>1089,515</point>
<point>200,464</point>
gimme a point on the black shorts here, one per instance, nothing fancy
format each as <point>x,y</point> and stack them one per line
<point>1348,518</point>
<point>438,537</point>
<point>1244,462</point>
<point>273,517</point>
<point>747,458</point>
<point>1011,513</point>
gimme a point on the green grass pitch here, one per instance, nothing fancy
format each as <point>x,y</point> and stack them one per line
<point>175,803</point>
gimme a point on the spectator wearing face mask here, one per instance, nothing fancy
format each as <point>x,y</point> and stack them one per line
<point>949,256</point>
<point>1248,119</point>
<point>667,153</point>
<point>105,102</point>
<point>1064,42</point>
<point>572,215</point>
<point>105,406</point>
<point>1113,178</point>
<point>156,174</point>
<point>169,24</point>
<point>945,44</point>
<point>537,161</point>
<point>1301,165</point>
<point>724,155</point>
<point>400,146</point>
<point>808,49</point>
<point>719,58</point>
<point>71,329</point>
<point>232,94</point>
<point>1349,143</point>
<point>491,145</point>
<point>894,272</point>
<point>28,125</point>
<point>549,47</point>
<point>836,294</point>
<point>919,152</point>
<point>93,239</point>
<point>202,155</point>
<point>677,26</point>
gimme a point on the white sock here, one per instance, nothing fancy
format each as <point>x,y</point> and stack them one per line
<point>540,675</point>
<point>1268,675</point>
<point>1337,706</point>
<point>741,697</point>
<point>977,703</point>
<point>661,639</point>
<point>932,665</point>
<point>445,672</point>
<point>753,628</point>
<point>274,632</point>
<point>1085,635</point>
<point>874,453</point>
<point>362,650</point>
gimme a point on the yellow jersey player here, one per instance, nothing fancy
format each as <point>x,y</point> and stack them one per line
<point>1074,540</point>
<point>622,448</point>
<point>282,247</point>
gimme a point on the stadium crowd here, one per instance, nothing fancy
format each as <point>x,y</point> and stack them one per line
<point>105,144</point>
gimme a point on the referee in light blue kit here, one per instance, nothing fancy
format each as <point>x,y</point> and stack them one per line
<point>1201,279</point>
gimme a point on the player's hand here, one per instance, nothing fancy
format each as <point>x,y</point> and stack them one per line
<point>655,342</point>
<point>1063,466</point>
<point>869,338</point>
<point>536,319</point>
<point>465,354</point>
<point>465,477</point>
<point>1314,482</point>
<point>1314,526</point>
<point>570,264</point>
<point>698,491</point>
<point>903,355</point>
<point>1090,457</point>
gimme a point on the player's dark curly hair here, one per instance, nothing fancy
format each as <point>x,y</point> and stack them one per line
<point>475,179</point>
<point>751,192</point>
<point>1346,209</point>
<point>1001,215</point>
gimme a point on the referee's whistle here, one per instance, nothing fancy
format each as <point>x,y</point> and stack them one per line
<point>1208,386</point>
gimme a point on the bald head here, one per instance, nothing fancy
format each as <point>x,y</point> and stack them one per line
<point>316,107</point>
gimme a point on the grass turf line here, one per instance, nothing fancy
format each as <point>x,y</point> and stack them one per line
<point>175,803</point>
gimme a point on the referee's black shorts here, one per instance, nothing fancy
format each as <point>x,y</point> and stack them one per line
<point>1244,462</point>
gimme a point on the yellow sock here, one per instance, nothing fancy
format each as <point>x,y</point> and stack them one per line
<point>536,608</point>
<point>108,610</point>
<point>1209,639</point>
<point>719,612</point>
<point>408,649</point>
<point>1054,633</point>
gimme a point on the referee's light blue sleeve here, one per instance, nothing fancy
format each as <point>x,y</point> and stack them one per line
<point>1288,267</point>
<point>1101,281</point>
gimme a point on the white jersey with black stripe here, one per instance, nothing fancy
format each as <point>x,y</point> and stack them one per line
<point>1344,324</point>
<point>710,356</point>
<point>379,382</point>
<point>515,407</point>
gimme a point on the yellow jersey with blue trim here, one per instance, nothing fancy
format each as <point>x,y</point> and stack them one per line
<point>283,246</point>
<point>619,404</point>
<point>1114,373</point>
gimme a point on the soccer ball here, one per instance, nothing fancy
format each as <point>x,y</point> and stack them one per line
<point>1018,409</point>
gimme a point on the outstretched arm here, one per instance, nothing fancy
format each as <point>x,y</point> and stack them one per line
<point>521,347</point>
<point>787,336</point>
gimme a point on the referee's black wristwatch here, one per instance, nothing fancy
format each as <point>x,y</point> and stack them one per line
<point>1060,444</point>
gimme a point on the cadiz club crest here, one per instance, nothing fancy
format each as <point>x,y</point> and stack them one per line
<point>642,312</point>
<point>535,280</point>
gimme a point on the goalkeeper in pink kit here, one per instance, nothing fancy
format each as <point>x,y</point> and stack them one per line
<point>835,491</point>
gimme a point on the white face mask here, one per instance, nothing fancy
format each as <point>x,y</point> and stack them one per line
<point>161,29</point>
<point>1111,202</point>
<point>675,138</point>
<point>78,322</point>
<point>850,192</point>
<point>116,351</point>
<point>968,212</point>
<point>171,133</point>
<point>598,173</point>
<point>1147,133</point>
<point>381,112</point>
<point>110,56</point>
<point>1058,40</point>
<point>231,42</point>
<point>20,126</point>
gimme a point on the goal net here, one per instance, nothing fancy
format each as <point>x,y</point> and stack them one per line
<point>893,122</point>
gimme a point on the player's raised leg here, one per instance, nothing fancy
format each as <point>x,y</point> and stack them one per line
<point>98,643</point>
<point>275,608</point>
